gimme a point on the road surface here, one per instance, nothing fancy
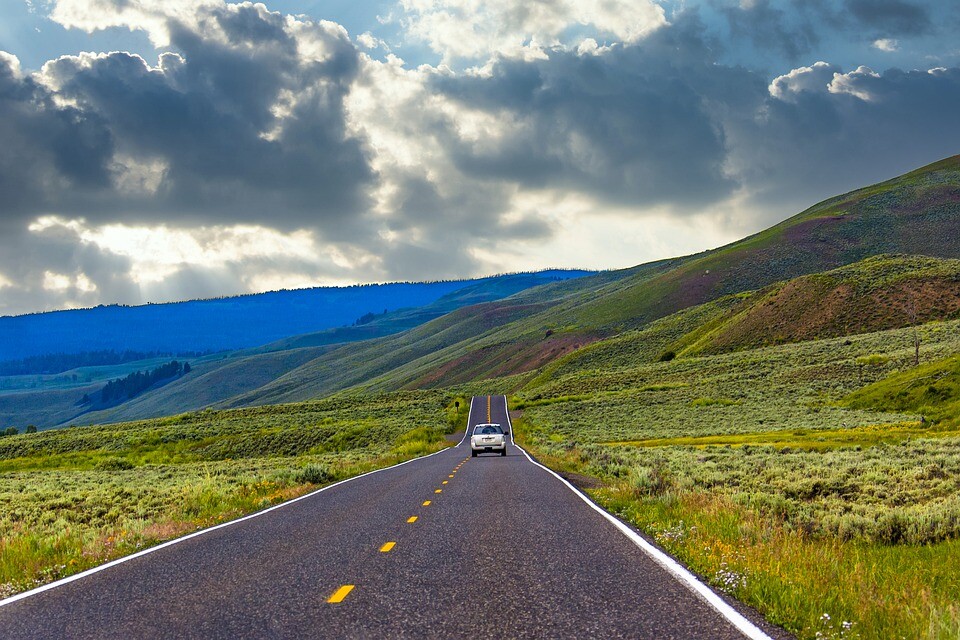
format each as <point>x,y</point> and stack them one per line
<point>446,546</point>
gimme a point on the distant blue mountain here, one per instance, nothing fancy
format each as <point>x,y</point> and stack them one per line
<point>220,324</point>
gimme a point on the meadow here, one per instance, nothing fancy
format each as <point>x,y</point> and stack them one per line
<point>817,481</point>
<point>74,498</point>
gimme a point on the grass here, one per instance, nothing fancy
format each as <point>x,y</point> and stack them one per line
<point>817,584</point>
<point>74,498</point>
<point>932,389</point>
<point>816,587</point>
<point>808,439</point>
<point>798,478</point>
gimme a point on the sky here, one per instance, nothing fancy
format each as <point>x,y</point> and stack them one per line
<point>156,150</point>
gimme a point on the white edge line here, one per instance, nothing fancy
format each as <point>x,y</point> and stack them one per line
<point>685,577</point>
<point>466,429</point>
<point>169,543</point>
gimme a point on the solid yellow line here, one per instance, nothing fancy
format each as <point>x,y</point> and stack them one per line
<point>438,491</point>
<point>387,546</point>
<point>340,594</point>
<point>426,503</point>
<point>412,519</point>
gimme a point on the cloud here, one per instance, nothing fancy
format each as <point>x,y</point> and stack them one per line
<point>48,149</point>
<point>261,150</point>
<point>891,17</point>
<point>634,125</point>
<point>475,29</point>
<point>823,131</point>
<point>770,27</point>
<point>244,119</point>
<point>886,44</point>
<point>802,79</point>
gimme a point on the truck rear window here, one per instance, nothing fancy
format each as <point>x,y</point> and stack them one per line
<point>487,430</point>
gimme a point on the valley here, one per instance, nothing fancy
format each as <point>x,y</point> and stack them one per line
<point>780,414</point>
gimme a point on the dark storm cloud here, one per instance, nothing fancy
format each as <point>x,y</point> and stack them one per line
<point>637,125</point>
<point>46,149</point>
<point>768,27</point>
<point>205,115</point>
<point>662,123</point>
<point>633,126</point>
<point>844,131</point>
<point>891,17</point>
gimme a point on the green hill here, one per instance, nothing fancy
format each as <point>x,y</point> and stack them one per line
<point>932,389</point>
<point>54,400</point>
<point>918,213</point>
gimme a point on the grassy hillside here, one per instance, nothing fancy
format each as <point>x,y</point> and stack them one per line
<point>401,360</point>
<point>217,378</point>
<point>798,478</point>
<point>931,390</point>
<point>878,293</point>
<point>918,213</point>
<point>883,292</point>
<point>210,382</point>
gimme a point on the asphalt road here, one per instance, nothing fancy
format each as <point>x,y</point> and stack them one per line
<point>486,547</point>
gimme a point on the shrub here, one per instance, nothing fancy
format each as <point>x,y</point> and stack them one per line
<point>314,474</point>
<point>667,356</point>
<point>655,480</point>
<point>114,464</point>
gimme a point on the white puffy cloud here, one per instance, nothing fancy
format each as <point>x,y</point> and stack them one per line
<point>55,281</point>
<point>814,78</point>
<point>852,83</point>
<point>477,29</point>
<point>886,44</point>
<point>155,17</point>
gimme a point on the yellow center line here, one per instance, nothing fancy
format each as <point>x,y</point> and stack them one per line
<point>450,476</point>
<point>426,503</point>
<point>438,490</point>
<point>412,519</point>
<point>445,482</point>
<point>340,594</point>
<point>387,546</point>
<point>489,398</point>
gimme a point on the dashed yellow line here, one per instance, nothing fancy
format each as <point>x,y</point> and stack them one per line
<point>426,503</point>
<point>450,476</point>
<point>411,519</point>
<point>340,594</point>
<point>489,399</point>
<point>387,546</point>
<point>438,490</point>
<point>445,482</point>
